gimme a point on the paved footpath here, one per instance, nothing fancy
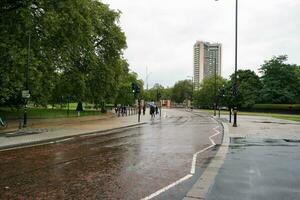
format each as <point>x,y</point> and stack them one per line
<point>43,131</point>
<point>262,161</point>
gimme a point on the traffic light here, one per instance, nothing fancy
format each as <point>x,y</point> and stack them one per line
<point>135,88</point>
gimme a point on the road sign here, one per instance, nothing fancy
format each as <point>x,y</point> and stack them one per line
<point>25,94</point>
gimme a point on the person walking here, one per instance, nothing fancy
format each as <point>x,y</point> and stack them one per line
<point>152,111</point>
<point>144,109</point>
<point>156,110</point>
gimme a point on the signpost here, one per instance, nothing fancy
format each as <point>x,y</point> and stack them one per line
<point>25,96</point>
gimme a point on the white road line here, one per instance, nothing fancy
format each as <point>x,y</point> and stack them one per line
<point>193,167</point>
<point>167,187</point>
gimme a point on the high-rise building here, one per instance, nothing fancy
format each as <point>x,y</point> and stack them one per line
<point>207,61</point>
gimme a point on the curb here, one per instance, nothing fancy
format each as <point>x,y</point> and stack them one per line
<point>8,131</point>
<point>206,180</point>
<point>46,141</point>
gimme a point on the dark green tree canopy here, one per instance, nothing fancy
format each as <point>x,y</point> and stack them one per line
<point>249,88</point>
<point>151,94</point>
<point>76,50</point>
<point>208,93</point>
<point>183,90</point>
<point>281,82</point>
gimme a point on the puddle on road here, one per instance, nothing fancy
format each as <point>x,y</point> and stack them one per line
<point>273,122</point>
<point>243,142</point>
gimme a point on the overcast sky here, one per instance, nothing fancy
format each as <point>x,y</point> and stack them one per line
<point>161,34</point>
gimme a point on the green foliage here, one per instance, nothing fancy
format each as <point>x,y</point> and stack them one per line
<point>125,94</point>
<point>151,94</point>
<point>209,92</point>
<point>281,81</point>
<point>183,90</point>
<point>76,51</point>
<point>248,88</point>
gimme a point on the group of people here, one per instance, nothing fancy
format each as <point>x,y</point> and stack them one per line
<point>126,110</point>
<point>153,111</point>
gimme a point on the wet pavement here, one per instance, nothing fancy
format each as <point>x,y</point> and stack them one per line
<point>129,164</point>
<point>257,168</point>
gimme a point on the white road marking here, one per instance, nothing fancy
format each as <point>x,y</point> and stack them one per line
<point>167,187</point>
<point>193,168</point>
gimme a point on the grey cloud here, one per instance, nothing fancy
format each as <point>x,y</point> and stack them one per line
<point>161,33</point>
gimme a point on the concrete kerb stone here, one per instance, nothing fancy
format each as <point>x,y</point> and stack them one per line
<point>41,142</point>
<point>206,181</point>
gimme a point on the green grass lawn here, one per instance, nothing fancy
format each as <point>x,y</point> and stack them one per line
<point>293,117</point>
<point>277,106</point>
<point>44,113</point>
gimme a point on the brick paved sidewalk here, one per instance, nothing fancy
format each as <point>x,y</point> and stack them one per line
<point>48,130</point>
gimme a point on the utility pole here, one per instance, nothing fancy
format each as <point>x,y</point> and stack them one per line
<point>235,69</point>
<point>27,82</point>
<point>193,85</point>
<point>215,90</point>
<point>147,78</point>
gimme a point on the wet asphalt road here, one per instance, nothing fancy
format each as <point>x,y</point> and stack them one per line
<point>259,169</point>
<point>129,164</point>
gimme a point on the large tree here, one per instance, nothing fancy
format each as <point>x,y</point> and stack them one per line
<point>151,94</point>
<point>209,91</point>
<point>281,82</point>
<point>125,95</point>
<point>248,88</point>
<point>75,43</point>
<point>182,90</point>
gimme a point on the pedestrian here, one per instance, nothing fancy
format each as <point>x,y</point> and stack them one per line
<point>152,111</point>
<point>119,111</point>
<point>144,109</point>
<point>156,110</point>
<point>122,111</point>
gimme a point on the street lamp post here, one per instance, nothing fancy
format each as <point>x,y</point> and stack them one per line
<point>215,106</point>
<point>27,80</point>
<point>193,85</point>
<point>235,68</point>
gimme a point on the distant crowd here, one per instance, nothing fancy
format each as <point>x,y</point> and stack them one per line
<point>122,111</point>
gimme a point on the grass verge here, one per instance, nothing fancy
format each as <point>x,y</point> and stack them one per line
<point>44,113</point>
<point>292,117</point>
